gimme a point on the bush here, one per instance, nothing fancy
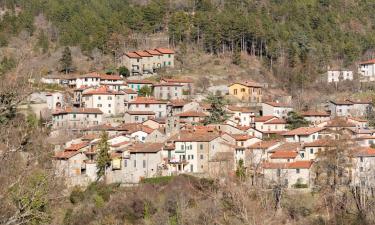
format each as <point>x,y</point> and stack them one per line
<point>158,180</point>
<point>77,195</point>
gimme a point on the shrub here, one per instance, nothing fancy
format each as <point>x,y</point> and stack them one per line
<point>157,180</point>
<point>77,195</point>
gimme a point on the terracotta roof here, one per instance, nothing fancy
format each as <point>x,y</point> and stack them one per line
<point>371,61</point>
<point>365,151</point>
<point>139,82</point>
<point>304,131</point>
<point>68,110</point>
<point>263,118</point>
<point>75,147</point>
<point>319,143</point>
<point>146,100</point>
<point>248,84</point>
<point>264,144</point>
<point>130,128</point>
<point>314,113</point>
<point>177,103</point>
<point>101,127</point>
<point>167,84</point>
<point>357,119</point>
<point>65,154</point>
<point>191,114</point>
<point>132,55</point>
<point>143,53</point>
<point>90,75</point>
<point>90,137</point>
<point>110,77</point>
<point>277,104</point>
<point>241,137</point>
<point>196,137</point>
<point>288,146</point>
<point>165,50</point>
<point>240,109</point>
<point>140,112</point>
<point>129,91</point>
<point>275,121</point>
<point>291,165</point>
<point>102,90</point>
<point>146,147</point>
<point>120,144</point>
<point>177,80</point>
<point>153,52</point>
<point>284,155</point>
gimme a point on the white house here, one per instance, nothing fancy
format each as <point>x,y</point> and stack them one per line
<point>240,116</point>
<point>55,100</point>
<point>367,70</point>
<point>316,117</point>
<point>110,102</point>
<point>364,167</point>
<point>334,76</point>
<point>76,118</point>
<point>138,116</point>
<point>277,109</point>
<point>149,104</point>
<point>340,108</point>
<point>303,134</point>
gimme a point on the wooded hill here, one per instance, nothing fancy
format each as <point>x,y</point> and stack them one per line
<point>302,36</point>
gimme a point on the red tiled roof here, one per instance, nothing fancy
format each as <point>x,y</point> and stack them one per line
<point>75,147</point>
<point>196,137</point>
<point>177,103</point>
<point>248,84</point>
<point>165,50</point>
<point>65,154</point>
<point>275,121</point>
<point>68,110</point>
<point>357,119</point>
<point>371,61</point>
<point>110,77</point>
<point>319,143</point>
<point>153,52</point>
<point>191,114</point>
<point>140,112</point>
<point>263,118</point>
<point>277,104</point>
<point>92,74</point>
<point>146,147</point>
<point>284,155</point>
<point>130,128</point>
<point>304,131</point>
<point>132,55</point>
<point>314,113</point>
<point>120,144</point>
<point>241,137</point>
<point>139,82</point>
<point>146,100</point>
<point>167,84</point>
<point>264,144</point>
<point>365,151</point>
<point>288,146</point>
<point>129,91</point>
<point>143,53</point>
<point>102,90</point>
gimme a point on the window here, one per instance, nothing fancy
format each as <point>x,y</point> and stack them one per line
<point>302,155</point>
<point>99,98</point>
<point>361,159</point>
<point>74,116</point>
<point>109,105</point>
<point>144,163</point>
<point>242,89</point>
<point>311,151</point>
<point>235,91</point>
<point>188,157</point>
<point>361,169</point>
<point>297,170</point>
<point>136,118</point>
<point>143,138</point>
<point>201,157</point>
<point>159,106</point>
<point>182,147</point>
<point>192,156</point>
<point>191,168</point>
<point>96,115</point>
<point>87,116</point>
<point>169,55</point>
<point>99,105</point>
<point>135,163</point>
<point>109,111</point>
<point>126,163</point>
<point>201,146</point>
<point>147,105</point>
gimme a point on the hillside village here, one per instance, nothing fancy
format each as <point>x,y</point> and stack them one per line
<point>164,127</point>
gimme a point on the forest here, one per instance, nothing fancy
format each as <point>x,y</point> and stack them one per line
<point>294,33</point>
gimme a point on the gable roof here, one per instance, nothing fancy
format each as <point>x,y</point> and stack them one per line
<point>196,137</point>
<point>102,90</point>
<point>143,53</point>
<point>278,104</point>
<point>264,118</point>
<point>292,165</point>
<point>69,110</point>
<point>177,80</point>
<point>284,155</point>
<point>303,131</point>
<point>145,147</point>
<point>153,52</point>
<point>132,55</point>
<point>371,61</point>
<point>314,113</point>
<point>165,50</point>
<point>146,100</point>
<point>275,121</point>
<point>139,82</point>
<point>192,114</point>
<point>239,109</point>
<point>365,152</point>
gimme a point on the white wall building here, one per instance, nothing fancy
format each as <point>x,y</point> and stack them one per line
<point>277,109</point>
<point>335,76</point>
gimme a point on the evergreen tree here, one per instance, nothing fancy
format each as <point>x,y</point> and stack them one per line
<point>295,120</point>
<point>145,91</point>
<point>123,71</point>
<point>218,112</point>
<point>43,42</point>
<point>236,57</point>
<point>241,170</point>
<point>103,160</point>
<point>66,60</point>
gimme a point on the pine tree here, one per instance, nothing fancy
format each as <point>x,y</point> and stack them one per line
<point>66,60</point>
<point>236,57</point>
<point>295,120</point>
<point>218,113</point>
<point>103,160</point>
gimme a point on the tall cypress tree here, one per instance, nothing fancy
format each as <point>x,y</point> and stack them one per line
<point>103,160</point>
<point>66,60</point>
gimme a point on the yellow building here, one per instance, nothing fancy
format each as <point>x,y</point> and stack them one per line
<point>246,91</point>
